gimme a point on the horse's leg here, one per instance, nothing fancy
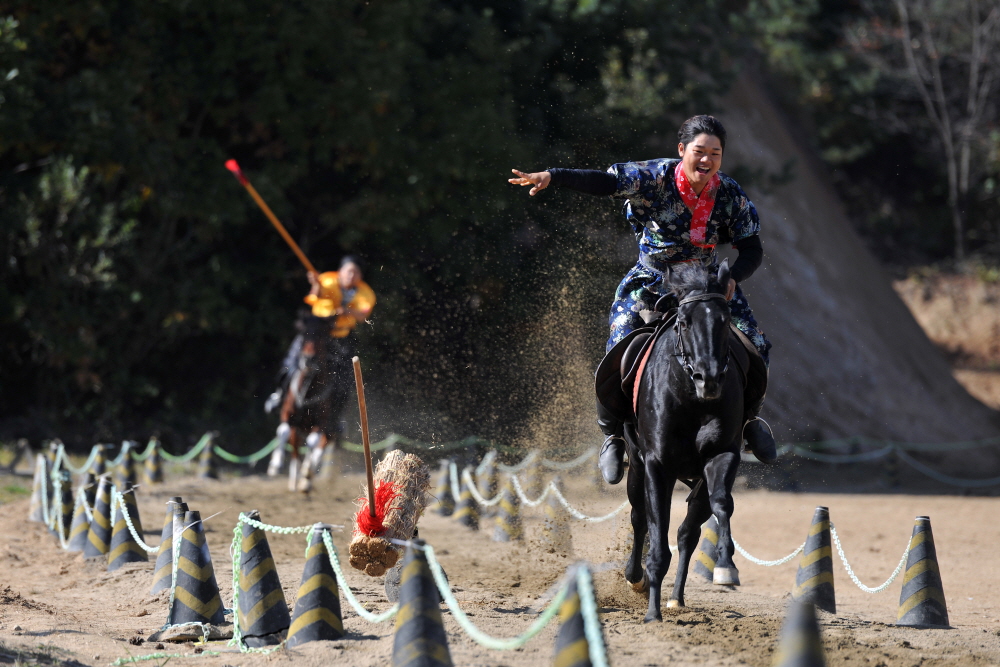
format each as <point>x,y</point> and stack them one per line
<point>634,572</point>
<point>720,473</point>
<point>316,440</point>
<point>293,464</point>
<point>659,486</point>
<point>699,510</point>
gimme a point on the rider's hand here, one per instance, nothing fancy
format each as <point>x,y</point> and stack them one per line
<point>313,278</point>
<point>730,290</point>
<point>538,181</point>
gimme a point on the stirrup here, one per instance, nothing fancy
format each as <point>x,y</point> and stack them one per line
<point>746,444</point>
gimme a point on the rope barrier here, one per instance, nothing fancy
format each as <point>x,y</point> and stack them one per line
<point>251,458</point>
<point>470,484</point>
<point>146,453</point>
<point>768,563</point>
<point>116,497</point>
<point>331,552</point>
<point>946,479</point>
<point>580,515</point>
<point>854,578</point>
<point>524,498</point>
<point>193,452</point>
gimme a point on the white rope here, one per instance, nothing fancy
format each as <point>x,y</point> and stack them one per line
<point>117,498</point>
<point>470,484</point>
<point>62,460</point>
<point>524,499</point>
<point>81,499</point>
<point>331,552</point>
<point>854,578</point>
<point>456,489</point>
<point>487,460</point>
<point>580,515</point>
<point>768,563</point>
<point>525,462</point>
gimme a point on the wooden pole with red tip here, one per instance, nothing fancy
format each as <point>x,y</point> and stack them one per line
<point>232,166</point>
<point>363,409</point>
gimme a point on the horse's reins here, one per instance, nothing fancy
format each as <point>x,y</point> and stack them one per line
<point>679,351</point>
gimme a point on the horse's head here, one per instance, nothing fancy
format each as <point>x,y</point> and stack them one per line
<point>315,332</point>
<point>701,331</point>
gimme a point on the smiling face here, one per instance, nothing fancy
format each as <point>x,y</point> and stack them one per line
<point>701,159</point>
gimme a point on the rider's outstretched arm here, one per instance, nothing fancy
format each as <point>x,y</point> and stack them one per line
<point>749,260</point>
<point>589,181</point>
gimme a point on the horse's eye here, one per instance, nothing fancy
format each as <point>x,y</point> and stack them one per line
<point>683,324</point>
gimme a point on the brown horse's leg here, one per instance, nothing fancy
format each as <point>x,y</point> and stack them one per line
<point>659,486</point>
<point>294,464</point>
<point>699,510</point>
<point>720,473</point>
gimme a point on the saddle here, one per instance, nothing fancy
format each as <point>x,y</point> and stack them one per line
<point>619,375</point>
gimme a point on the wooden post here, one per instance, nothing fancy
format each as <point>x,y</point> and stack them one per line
<point>364,435</point>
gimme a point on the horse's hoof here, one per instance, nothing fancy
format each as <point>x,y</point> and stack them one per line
<point>726,576</point>
<point>652,617</point>
<point>674,604</point>
<point>641,586</point>
<point>305,485</point>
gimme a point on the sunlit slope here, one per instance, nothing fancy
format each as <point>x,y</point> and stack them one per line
<point>848,358</point>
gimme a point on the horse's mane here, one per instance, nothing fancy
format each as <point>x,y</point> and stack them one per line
<point>691,276</point>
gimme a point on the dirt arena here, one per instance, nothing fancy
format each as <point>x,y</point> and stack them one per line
<point>57,609</point>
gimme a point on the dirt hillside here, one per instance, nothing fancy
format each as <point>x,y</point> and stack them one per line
<point>849,358</point>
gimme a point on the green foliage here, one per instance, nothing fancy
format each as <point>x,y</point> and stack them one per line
<point>144,292</point>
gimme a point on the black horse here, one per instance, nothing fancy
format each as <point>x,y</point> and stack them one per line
<point>689,418</point>
<point>317,385</point>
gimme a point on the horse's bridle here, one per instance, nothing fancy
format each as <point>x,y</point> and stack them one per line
<point>680,352</point>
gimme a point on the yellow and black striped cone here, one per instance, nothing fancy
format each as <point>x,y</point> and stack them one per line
<point>556,533</point>
<point>800,644</point>
<point>921,602</point>
<point>124,548</point>
<point>64,511</point>
<point>814,579</point>
<point>39,485</point>
<point>100,464</point>
<point>206,462</point>
<point>264,618</point>
<point>489,484</point>
<point>125,477</point>
<point>196,596</point>
<point>163,572</point>
<point>572,647</point>
<point>317,607</point>
<point>444,503</point>
<point>533,476</point>
<point>99,533</point>
<point>80,525</point>
<point>467,510</point>
<point>708,550</point>
<point>153,467</point>
<point>508,518</point>
<point>420,640</point>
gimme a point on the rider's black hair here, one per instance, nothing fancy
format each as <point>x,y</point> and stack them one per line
<point>352,259</point>
<point>696,125</point>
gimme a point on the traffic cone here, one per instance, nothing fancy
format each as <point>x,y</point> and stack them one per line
<point>125,477</point>
<point>800,644</point>
<point>206,462</point>
<point>39,486</point>
<point>921,602</point>
<point>556,533</point>
<point>317,606</point>
<point>64,512</point>
<point>153,467</point>
<point>80,525</point>
<point>163,573</point>
<point>467,510</point>
<point>489,483</point>
<point>196,596</point>
<point>533,476</point>
<point>814,579</point>
<point>572,647</point>
<point>124,548</point>
<point>99,533</point>
<point>264,618</point>
<point>508,519</point>
<point>100,464</point>
<point>708,550</point>
<point>445,502</point>
<point>420,640</point>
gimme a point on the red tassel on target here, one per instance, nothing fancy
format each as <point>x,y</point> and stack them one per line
<point>364,522</point>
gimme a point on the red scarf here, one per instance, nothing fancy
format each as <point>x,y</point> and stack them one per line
<point>700,206</point>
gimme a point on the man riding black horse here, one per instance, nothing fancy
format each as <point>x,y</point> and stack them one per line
<point>339,300</point>
<point>679,209</point>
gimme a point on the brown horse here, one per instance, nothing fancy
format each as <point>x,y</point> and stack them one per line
<point>317,388</point>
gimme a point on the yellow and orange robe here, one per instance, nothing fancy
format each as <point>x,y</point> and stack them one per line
<point>331,297</point>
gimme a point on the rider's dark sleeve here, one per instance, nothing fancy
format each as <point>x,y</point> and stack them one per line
<point>749,260</point>
<point>588,181</point>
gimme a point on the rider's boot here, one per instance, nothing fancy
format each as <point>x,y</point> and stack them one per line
<point>612,458</point>
<point>278,455</point>
<point>759,439</point>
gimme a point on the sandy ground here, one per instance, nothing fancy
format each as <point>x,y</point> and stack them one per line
<point>57,609</point>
